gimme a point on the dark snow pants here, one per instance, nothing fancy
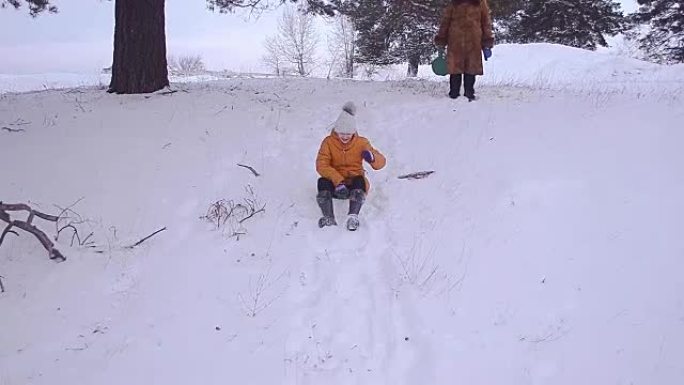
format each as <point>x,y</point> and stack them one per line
<point>357,182</point>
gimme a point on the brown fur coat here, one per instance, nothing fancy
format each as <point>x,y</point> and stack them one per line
<point>465,29</point>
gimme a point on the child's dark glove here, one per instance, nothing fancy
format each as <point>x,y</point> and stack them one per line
<point>368,156</point>
<point>341,191</point>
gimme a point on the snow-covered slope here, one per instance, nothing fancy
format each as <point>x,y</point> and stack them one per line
<point>545,248</point>
<point>42,82</point>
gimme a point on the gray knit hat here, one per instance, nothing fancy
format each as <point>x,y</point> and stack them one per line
<point>346,122</point>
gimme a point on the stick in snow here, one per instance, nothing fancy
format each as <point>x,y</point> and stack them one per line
<point>29,227</point>
<point>249,168</point>
<point>13,129</point>
<point>417,175</point>
<point>146,238</point>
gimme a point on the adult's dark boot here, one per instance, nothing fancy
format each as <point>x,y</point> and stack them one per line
<point>324,199</point>
<point>454,86</point>
<point>469,86</point>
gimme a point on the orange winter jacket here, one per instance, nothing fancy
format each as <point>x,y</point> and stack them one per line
<point>338,161</point>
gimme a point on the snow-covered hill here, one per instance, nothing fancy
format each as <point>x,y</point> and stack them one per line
<point>537,66</point>
<point>545,248</point>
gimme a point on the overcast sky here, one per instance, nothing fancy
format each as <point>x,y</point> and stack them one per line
<point>79,38</point>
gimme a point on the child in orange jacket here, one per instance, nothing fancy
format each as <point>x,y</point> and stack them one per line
<point>340,164</point>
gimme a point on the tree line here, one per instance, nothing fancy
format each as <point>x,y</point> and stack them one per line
<point>382,32</point>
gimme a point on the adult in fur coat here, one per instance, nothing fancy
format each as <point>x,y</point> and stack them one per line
<point>466,31</point>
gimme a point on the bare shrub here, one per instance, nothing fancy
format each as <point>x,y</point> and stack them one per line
<point>230,214</point>
<point>186,65</point>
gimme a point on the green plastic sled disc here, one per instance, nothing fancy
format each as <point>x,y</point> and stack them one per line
<point>439,64</point>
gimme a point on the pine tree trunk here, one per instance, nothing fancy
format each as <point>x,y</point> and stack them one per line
<point>413,63</point>
<point>139,64</point>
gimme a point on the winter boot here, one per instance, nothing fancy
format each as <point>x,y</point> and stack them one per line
<point>324,199</point>
<point>454,86</point>
<point>469,87</point>
<point>352,222</point>
<point>356,199</point>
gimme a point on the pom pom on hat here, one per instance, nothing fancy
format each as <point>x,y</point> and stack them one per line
<point>346,122</point>
<point>349,108</point>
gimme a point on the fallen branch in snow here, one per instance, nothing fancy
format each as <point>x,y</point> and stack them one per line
<point>29,227</point>
<point>18,122</point>
<point>8,129</point>
<point>146,238</point>
<point>7,231</point>
<point>416,175</point>
<point>250,168</point>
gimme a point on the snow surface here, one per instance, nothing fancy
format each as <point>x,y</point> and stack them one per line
<point>545,248</point>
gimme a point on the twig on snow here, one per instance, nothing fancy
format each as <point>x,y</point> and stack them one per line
<point>166,92</point>
<point>416,175</point>
<point>146,238</point>
<point>70,222</point>
<point>221,110</point>
<point>19,122</point>
<point>253,213</point>
<point>8,129</point>
<point>250,168</point>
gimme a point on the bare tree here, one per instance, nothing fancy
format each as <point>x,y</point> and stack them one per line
<point>342,44</point>
<point>186,65</point>
<point>295,42</point>
<point>273,58</point>
<point>334,57</point>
